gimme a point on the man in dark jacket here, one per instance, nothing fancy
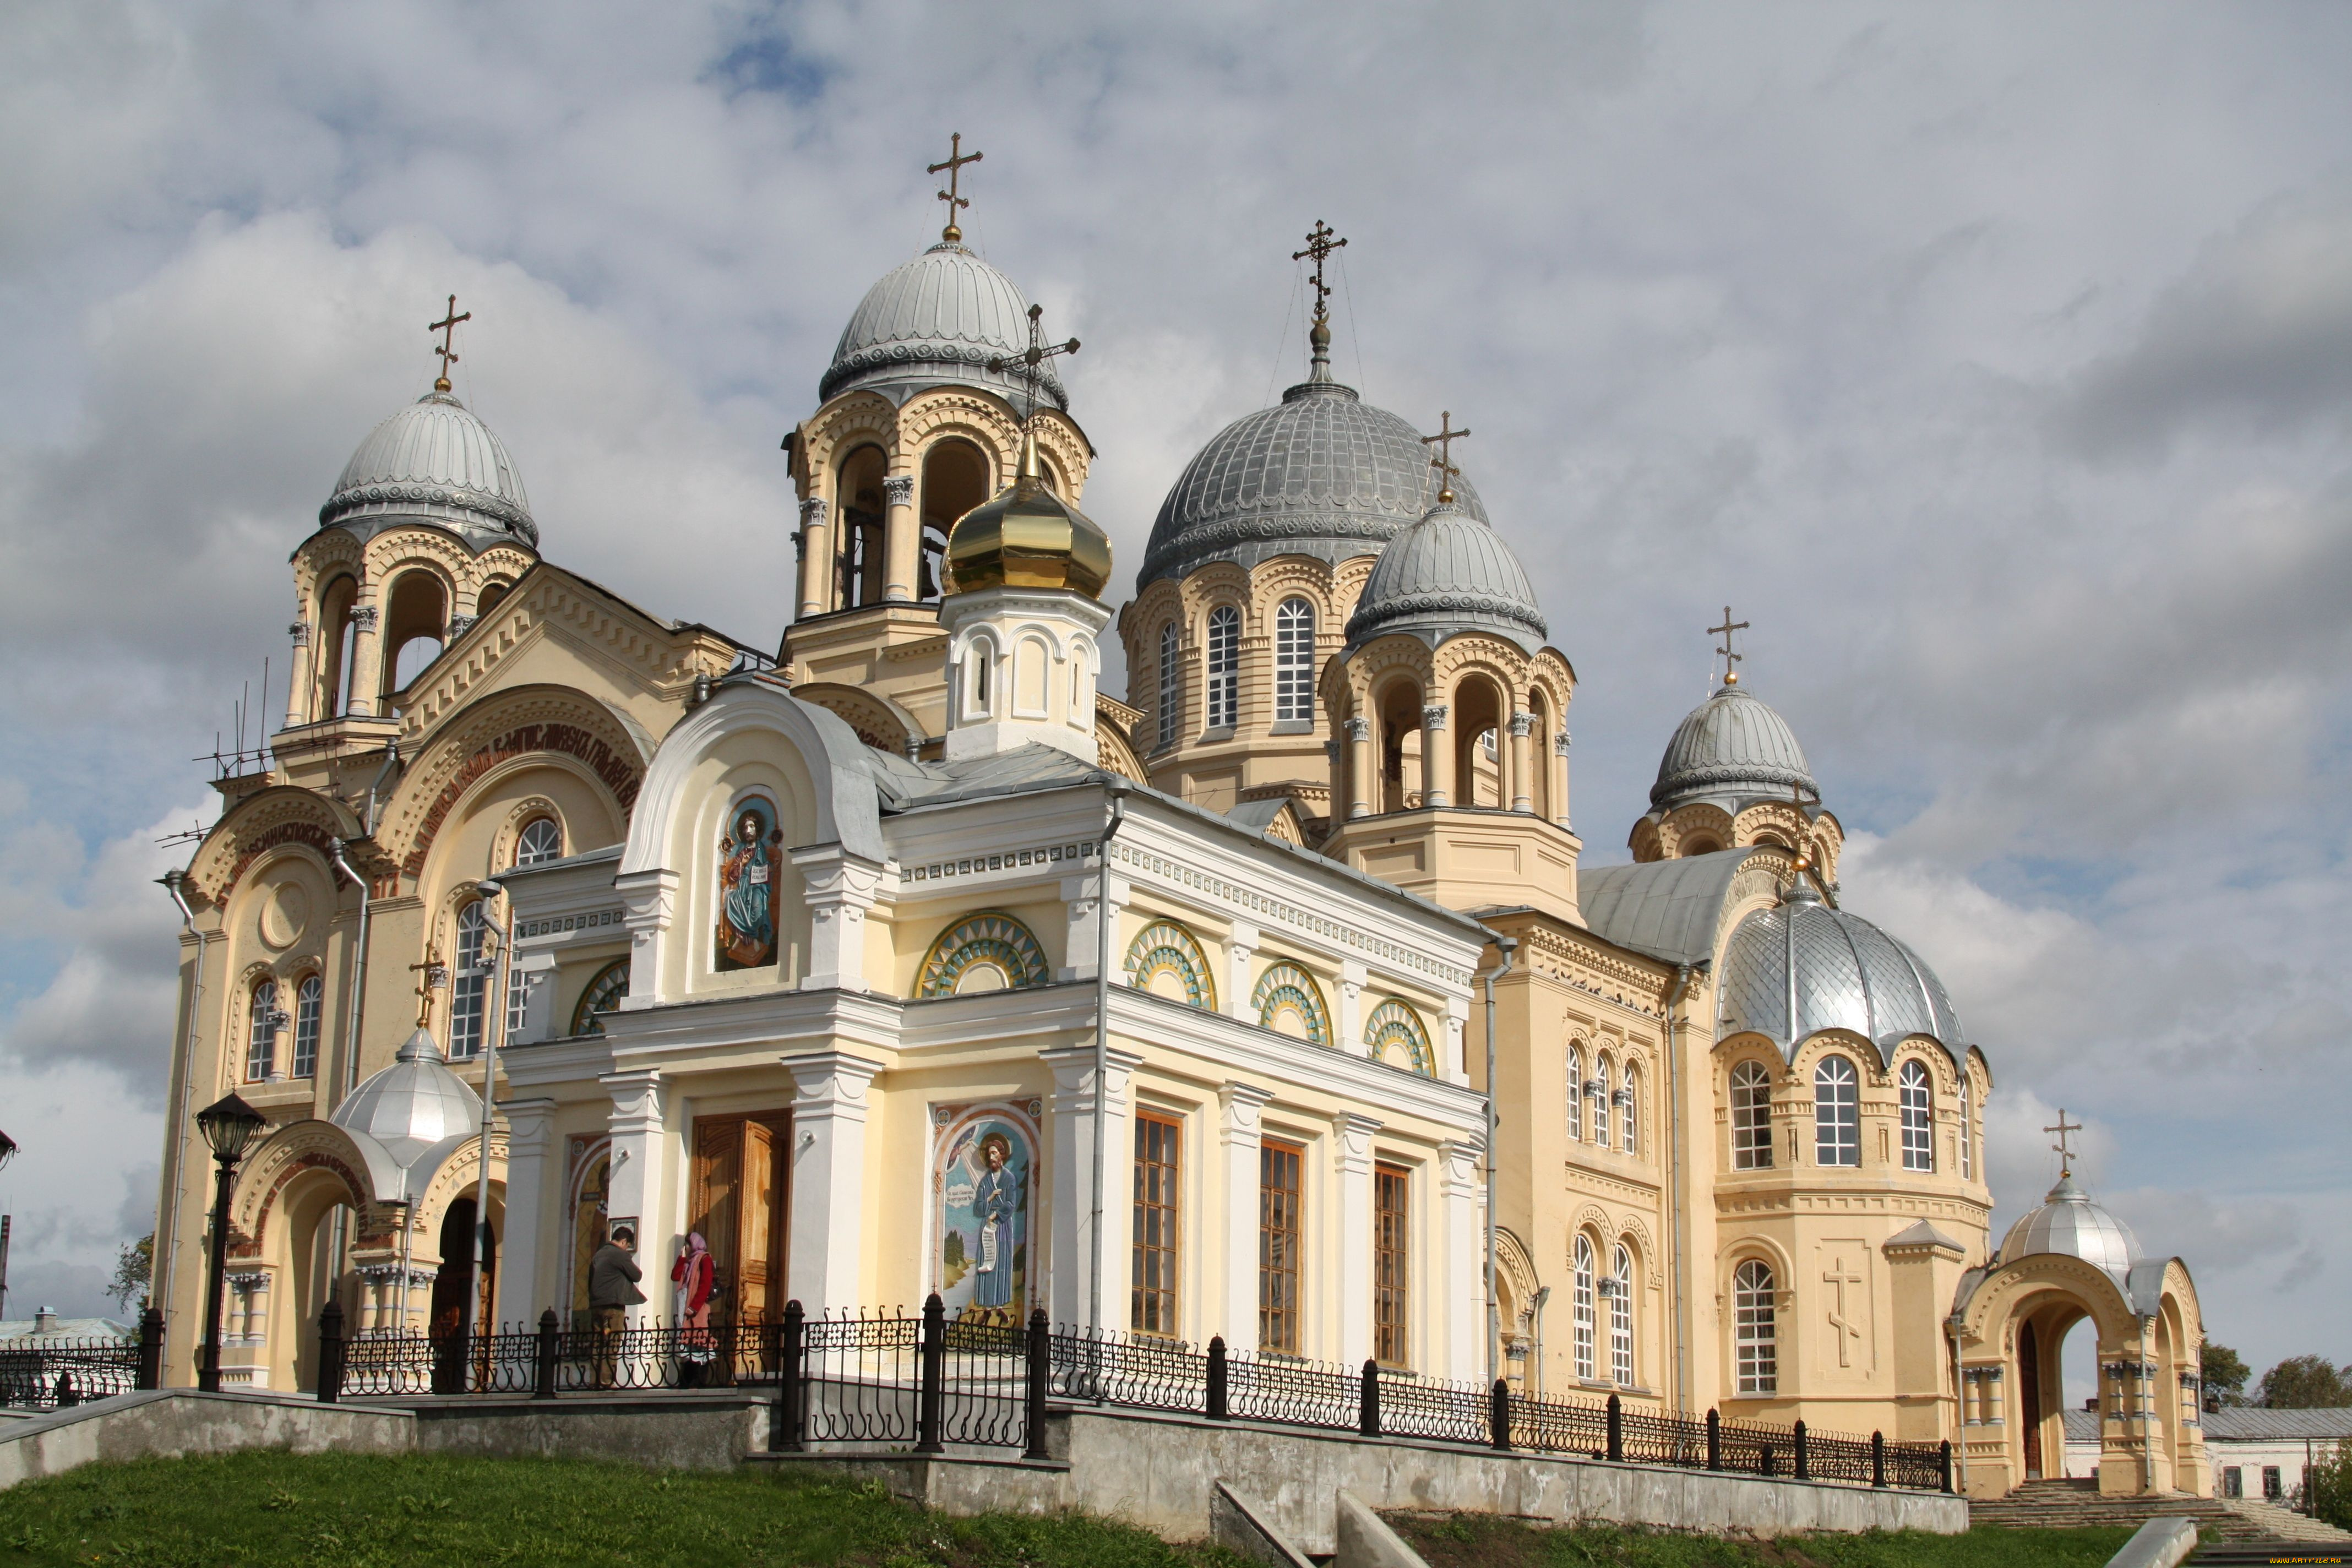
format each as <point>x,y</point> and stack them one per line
<point>613,1277</point>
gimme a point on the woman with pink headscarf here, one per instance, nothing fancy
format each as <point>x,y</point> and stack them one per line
<point>695,1279</point>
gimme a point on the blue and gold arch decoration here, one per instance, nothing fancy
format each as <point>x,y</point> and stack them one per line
<point>1163,947</point>
<point>967,951</point>
<point>1286,988</point>
<point>1395,1026</point>
<point>604,993</point>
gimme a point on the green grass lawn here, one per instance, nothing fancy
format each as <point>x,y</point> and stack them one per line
<point>1467,1540</point>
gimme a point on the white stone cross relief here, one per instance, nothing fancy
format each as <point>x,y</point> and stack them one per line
<point>1837,1279</point>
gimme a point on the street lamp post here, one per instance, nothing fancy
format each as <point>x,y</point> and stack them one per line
<point>7,1153</point>
<point>231,1127</point>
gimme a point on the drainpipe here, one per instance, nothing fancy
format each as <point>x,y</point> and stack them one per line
<point>1675,1156</point>
<point>1506,946</point>
<point>175,883</point>
<point>1102,1050</point>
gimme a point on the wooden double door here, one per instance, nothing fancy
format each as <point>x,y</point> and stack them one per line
<point>741,1171</point>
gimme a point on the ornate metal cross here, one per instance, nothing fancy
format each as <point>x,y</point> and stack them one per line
<point>431,975</point>
<point>1730,675</point>
<point>1025,364</point>
<point>1444,461</point>
<point>1319,244</point>
<point>2066,1131</point>
<point>445,326</point>
<point>957,158</point>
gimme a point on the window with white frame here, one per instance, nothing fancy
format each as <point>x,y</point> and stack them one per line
<point>1621,1319</point>
<point>1837,1113</point>
<point>1629,1105</point>
<point>1584,1325</point>
<point>470,984</point>
<point>1294,660</point>
<point>1576,1094</point>
<point>1170,684</point>
<point>1602,1120</point>
<point>1756,1334</point>
<point>1918,1118</point>
<point>309,997</point>
<point>1224,667</point>
<point>1751,1118</point>
<point>261,1036</point>
<point>519,986</point>
<point>1968,1133</point>
<point>540,840</point>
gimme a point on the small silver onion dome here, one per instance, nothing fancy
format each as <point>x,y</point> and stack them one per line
<point>1800,967</point>
<point>413,1104</point>
<point>1446,574</point>
<point>1732,744</point>
<point>2068,1223</point>
<point>434,459</point>
<point>941,316</point>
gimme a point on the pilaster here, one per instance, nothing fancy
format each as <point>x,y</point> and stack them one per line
<point>1352,977</point>
<point>651,902</point>
<point>1351,1183</point>
<point>1458,1286</point>
<point>531,1188</point>
<point>1072,1136</point>
<point>840,887</point>
<point>828,1179</point>
<point>637,1193</point>
<point>1241,951</point>
<point>901,537</point>
<point>1240,1136</point>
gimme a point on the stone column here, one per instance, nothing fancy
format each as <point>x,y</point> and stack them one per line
<point>367,662</point>
<point>828,1180</point>
<point>298,686</point>
<point>640,1146</point>
<point>1351,1211</point>
<point>1351,1022</point>
<point>816,557</point>
<point>1459,1281</point>
<point>1522,778</point>
<point>1240,1137</point>
<point>1073,1138</point>
<point>840,887</point>
<point>901,539</point>
<point>1362,781</point>
<point>1560,778</point>
<point>1240,949</point>
<point>531,1183</point>
<point>651,899</point>
<point>1436,757</point>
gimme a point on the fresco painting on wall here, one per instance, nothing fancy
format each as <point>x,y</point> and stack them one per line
<point>982,1177</point>
<point>751,862</point>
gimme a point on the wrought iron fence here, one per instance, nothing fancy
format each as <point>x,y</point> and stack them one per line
<point>547,1360</point>
<point>56,1373</point>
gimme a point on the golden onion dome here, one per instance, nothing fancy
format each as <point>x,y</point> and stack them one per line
<point>1025,536</point>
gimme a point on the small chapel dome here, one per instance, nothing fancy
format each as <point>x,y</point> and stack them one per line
<point>2068,1223</point>
<point>434,459</point>
<point>939,317</point>
<point>1025,536</point>
<point>1731,745</point>
<point>1833,971</point>
<point>1447,573</point>
<point>413,1104</point>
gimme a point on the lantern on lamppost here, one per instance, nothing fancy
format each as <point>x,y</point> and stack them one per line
<point>232,1127</point>
<point>7,1153</point>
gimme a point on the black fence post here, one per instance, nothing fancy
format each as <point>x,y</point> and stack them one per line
<point>330,1352</point>
<point>933,1374</point>
<point>151,1348</point>
<point>1368,1407</point>
<point>1944,1466</point>
<point>1498,1416</point>
<point>1878,1458</point>
<point>1764,1460</point>
<point>543,1373</point>
<point>1041,1377</point>
<point>1219,1407</point>
<point>1713,1441</point>
<point>1804,1460</point>
<point>792,1393</point>
<point>1616,1430</point>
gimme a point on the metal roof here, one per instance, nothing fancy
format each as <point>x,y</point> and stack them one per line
<point>1800,967</point>
<point>2070,1225</point>
<point>1448,573</point>
<point>412,1105</point>
<point>1732,744</point>
<point>1668,908</point>
<point>941,316</point>
<point>434,459</point>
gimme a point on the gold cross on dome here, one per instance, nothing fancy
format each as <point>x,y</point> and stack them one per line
<point>957,158</point>
<point>1444,461</point>
<point>1025,364</point>
<point>1730,675</point>
<point>431,975</point>
<point>2065,1131</point>
<point>446,326</point>
<point>1319,244</point>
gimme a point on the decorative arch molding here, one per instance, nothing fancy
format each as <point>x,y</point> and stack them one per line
<point>1166,948</point>
<point>2012,1291</point>
<point>1637,1230</point>
<point>292,1152</point>
<point>1766,1251</point>
<point>1516,1265</point>
<point>976,944</point>
<point>1284,987</point>
<point>1394,1024</point>
<point>458,1175</point>
<point>881,723</point>
<point>1808,1052</point>
<point>266,820</point>
<point>1114,752</point>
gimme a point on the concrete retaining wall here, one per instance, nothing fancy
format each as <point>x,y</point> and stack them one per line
<point>684,1431</point>
<point>174,1421</point>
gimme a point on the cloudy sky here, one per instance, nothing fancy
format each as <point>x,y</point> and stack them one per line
<point>1996,364</point>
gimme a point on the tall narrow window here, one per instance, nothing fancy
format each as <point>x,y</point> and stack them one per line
<point>1918,1118</point>
<point>1629,1104</point>
<point>1392,1264</point>
<point>540,840</point>
<point>1968,1133</point>
<point>470,983</point>
<point>1170,684</point>
<point>1583,1285</point>
<point>1751,1118</point>
<point>1158,1144</point>
<point>1757,1336</point>
<point>309,998</point>
<point>1601,1118</point>
<point>1294,661</point>
<point>518,988</point>
<point>1621,1319</point>
<point>1576,1094</point>
<point>1279,1168</point>
<point>261,1036</point>
<point>1224,667</point>
<point>1837,1113</point>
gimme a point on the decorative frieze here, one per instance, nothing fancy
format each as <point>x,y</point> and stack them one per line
<point>1007,860</point>
<point>558,924</point>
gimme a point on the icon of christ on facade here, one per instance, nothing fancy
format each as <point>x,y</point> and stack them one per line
<point>751,864</point>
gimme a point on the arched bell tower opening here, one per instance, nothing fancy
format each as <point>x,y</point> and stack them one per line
<point>860,542</point>
<point>416,623</point>
<point>956,476</point>
<point>330,691</point>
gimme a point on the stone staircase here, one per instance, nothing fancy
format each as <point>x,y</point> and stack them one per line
<point>2077,1505</point>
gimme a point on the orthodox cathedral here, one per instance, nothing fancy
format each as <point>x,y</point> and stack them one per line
<point>1270,1002</point>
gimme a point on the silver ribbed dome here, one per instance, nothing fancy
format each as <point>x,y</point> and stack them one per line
<point>941,316</point>
<point>413,1104</point>
<point>1831,970</point>
<point>1321,473</point>
<point>1450,572</point>
<point>434,459</point>
<point>2069,1223</point>
<point>1731,745</point>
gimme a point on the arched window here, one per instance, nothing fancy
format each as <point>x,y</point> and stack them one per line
<point>309,999</point>
<point>540,839</point>
<point>1757,1336</point>
<point>1170,687</point>
<point>1576,1094</point>
<point>416,619</point>
<point>468,985</point>
<point>1294,661</point>
<point>519,990</point>
<point>605,992</point>
<point>492,595</point>
<point>1968,1133</point>
<point>1918,1118</point>
<point>1583,1282</point>
<point>1621,1318</point>
<point>1751,1118</point>
<point>1602,1120</point>
<point>1837,1113</point>
<point>1629,1104</point>
<point>1224,667</point>
<point>331,687</point>
<point>261,1036</point>
<point>858,540</point>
